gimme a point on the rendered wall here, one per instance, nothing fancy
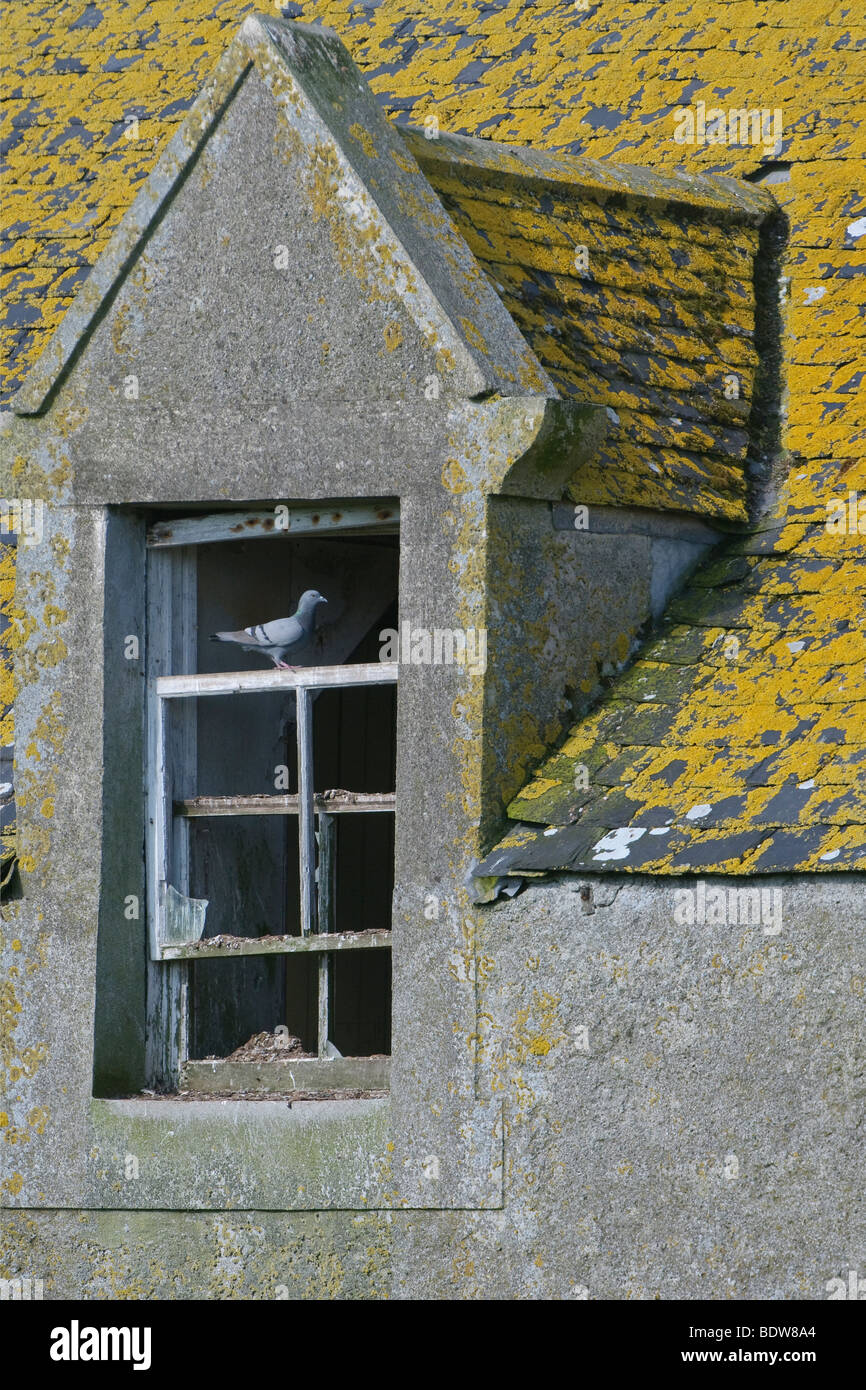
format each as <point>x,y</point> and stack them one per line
<point>698,1140</point>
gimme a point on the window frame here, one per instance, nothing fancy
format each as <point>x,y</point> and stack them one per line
<point>171,626</point>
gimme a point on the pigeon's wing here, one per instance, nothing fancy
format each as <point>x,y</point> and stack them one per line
<point>243,638</point>
<point>282,632</point>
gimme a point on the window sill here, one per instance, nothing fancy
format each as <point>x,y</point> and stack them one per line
<point>283,1077</point>
<point>209,947</point>
<point>168,1152</point>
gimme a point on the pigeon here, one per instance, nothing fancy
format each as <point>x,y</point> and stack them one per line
<point>276,638</point>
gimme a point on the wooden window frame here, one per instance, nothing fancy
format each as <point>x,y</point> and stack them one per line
<point>175,921</point>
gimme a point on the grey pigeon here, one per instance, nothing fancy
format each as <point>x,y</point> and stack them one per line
<point>283,635</point>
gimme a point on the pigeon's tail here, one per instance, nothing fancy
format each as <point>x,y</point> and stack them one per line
<point>245,638</point>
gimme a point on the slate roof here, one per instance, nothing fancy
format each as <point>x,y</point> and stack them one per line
<point>737,741</point>
<point>651,329</point>
<point>661,316</point>
<point>605,84</point>
<point>546,75</point>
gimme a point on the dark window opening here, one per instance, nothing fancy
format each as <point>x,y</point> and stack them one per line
<point>292,855</point>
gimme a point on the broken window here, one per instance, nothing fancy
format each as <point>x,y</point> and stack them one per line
<point>270,803</point>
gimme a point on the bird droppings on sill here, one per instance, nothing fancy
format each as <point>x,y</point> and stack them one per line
<point>228,943</point>
<point>276,1047</point>
<point>237,943</point>
<point>265,1047</point>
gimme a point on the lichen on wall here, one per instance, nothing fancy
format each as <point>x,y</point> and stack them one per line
<point>264,1256</point>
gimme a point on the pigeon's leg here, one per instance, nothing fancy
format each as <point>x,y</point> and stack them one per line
<point>284,666</point>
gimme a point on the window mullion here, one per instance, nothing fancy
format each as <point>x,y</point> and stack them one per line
<point>159,812</point>
<point>169,643</point>
<point>326,883</point>
<point>306,813</point>
<point>324,1002</point>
